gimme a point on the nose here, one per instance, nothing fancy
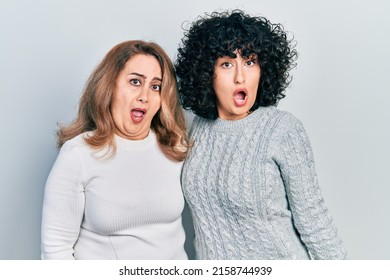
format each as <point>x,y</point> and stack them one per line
<point>239,77</point>
<point>143,96</point>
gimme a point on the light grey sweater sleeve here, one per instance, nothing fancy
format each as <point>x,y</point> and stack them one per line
<point>63,206</point>
<point>310,216</point>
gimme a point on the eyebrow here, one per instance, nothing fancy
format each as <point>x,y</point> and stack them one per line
<point>144,77</point>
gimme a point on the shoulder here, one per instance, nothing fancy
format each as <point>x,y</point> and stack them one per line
<point>283,123</point>
<point>289,136</point>
<point>284,117</point>
<point>272,118</point>
<point>70,155</point>
<point>198,122</point>
<point>76,143</point>
<point>285,120</point>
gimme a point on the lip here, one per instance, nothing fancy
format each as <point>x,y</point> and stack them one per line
<point>237,97</point>
<point>137,114</point>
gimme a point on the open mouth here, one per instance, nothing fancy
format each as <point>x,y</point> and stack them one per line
<point>240,97</point>
<point>137,114</point>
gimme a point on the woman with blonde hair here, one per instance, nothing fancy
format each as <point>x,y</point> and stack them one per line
<point>114,190</point>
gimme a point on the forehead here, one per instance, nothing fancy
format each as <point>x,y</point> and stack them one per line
<point>144,64</point>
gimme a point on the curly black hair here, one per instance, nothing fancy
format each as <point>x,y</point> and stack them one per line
<point>220,34</point>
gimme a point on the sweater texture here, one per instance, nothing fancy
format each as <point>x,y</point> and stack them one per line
<point>253,190</point>
<point>125,207</point>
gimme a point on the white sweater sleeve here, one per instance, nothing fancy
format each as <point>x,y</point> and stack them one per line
<point>63,206</point>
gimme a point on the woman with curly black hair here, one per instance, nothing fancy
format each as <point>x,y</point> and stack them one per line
<point>249,178</point>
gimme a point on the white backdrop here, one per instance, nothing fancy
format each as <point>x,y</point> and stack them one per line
<point>340,92</point>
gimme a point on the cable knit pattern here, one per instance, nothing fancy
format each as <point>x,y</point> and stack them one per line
<point>125,207</point>
<point>253,191</point>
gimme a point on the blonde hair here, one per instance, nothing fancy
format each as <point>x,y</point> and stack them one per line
<point>94,112</point>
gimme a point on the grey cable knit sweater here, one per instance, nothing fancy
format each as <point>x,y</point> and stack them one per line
<point>253,191</point>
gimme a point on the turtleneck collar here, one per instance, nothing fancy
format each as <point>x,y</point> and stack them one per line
<point>126,144</point>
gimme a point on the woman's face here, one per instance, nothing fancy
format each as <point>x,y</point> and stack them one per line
<point>235,84</point>
<point>136,98</point>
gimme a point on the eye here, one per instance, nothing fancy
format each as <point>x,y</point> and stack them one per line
<point>251,62</point>
<point>135,82</point>
<point>156,88</point>
<point>226,64</point>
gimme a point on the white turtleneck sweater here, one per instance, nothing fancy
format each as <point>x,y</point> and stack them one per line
<point>125,207</point>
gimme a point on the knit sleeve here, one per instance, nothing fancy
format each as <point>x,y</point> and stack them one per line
<point>63,206</point>
<point>310,215</point>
